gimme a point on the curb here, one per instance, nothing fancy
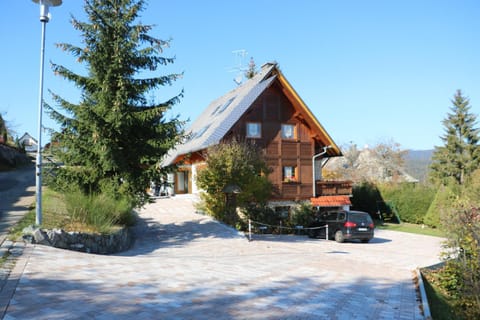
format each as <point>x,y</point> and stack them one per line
<point>16,262</point>
<point>423,296</point>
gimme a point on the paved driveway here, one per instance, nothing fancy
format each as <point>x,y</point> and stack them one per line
<point>187,266</point>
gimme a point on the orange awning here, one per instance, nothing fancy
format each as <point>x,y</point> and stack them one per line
<point>331,201</point>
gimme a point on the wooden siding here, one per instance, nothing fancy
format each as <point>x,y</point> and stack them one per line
<point>272,109</point>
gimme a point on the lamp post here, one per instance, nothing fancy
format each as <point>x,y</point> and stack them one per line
<point>44,17</point>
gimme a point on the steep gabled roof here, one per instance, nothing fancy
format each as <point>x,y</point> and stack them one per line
<point>222,114</point>
<point>27,136</point>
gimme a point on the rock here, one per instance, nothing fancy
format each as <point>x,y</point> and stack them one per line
<point>41,237</point>
<point>84,242</point>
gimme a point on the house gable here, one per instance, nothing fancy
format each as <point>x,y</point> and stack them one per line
<point>282,125</point>
<point>273,110</point>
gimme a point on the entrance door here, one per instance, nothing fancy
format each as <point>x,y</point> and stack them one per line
<point>181,184</point>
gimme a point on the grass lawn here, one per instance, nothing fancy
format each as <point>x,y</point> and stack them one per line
<point>411,228</point>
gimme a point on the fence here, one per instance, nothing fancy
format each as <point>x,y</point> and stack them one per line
<point>296,229</point>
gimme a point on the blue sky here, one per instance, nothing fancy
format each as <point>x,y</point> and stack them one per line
<point>371,71</point>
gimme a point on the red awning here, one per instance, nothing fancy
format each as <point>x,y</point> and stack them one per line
<point>331,201</point>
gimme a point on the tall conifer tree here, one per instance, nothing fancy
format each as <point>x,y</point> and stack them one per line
<point>460,154</point>
<point>111,140</point>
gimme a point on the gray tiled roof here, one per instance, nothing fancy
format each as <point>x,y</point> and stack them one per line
<point>219,117</point>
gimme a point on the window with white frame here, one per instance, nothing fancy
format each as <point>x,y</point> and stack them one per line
<point>254,130</point>
<point>288,131</point>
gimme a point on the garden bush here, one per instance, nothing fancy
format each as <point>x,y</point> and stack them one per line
<point>411,201</point>
<point>365,197</point>
<point>301,215</point>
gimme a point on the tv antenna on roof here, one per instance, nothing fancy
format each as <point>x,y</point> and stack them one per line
<point>239,66</point>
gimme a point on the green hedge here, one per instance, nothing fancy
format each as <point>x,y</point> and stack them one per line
<point>406,202</point>
<point>412,201</point>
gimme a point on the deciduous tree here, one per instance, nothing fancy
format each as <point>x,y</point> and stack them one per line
<point>233,163</point>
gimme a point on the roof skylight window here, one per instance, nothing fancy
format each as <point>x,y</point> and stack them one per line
<point>216,109</point>
<point>225,105</point>
<point>201,132</point>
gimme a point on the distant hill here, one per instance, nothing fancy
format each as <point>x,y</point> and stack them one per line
<point>417,163</point>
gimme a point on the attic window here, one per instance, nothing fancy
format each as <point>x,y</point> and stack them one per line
<point>201,132</point>
<point>254,130</point>
<point>224,106</point>
<point>288,131</point>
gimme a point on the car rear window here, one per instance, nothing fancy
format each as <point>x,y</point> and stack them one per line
<point>360,217</point>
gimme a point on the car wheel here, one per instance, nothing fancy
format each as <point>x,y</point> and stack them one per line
<point>339,236</point>
<point>365,240</point>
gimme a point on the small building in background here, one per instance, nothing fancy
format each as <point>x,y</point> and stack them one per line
<point>28,142</point>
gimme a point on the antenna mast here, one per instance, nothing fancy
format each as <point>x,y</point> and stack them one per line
<point>239,66</point>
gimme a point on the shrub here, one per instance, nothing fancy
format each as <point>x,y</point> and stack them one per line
<point>365,197</point>
<point>442,199</point>
<point>260,213</point>
<point>228,164</point>
<point>301,215</point>
<point>461,277</point>
<point>411,201</point>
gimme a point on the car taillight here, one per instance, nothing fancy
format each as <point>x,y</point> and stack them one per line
<point>350,224</point>
<point>371,225</point>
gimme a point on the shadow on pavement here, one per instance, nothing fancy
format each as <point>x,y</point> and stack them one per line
<point>301,238</point>
<point>244,297</point>
<point>151,235</point>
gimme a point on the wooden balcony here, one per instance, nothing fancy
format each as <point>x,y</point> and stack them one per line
<point>333,188</point>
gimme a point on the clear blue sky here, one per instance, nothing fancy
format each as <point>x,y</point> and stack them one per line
<point>370,71</point>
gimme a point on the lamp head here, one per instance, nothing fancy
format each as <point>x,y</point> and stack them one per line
<point>51,3</point>
<point>44,4</point>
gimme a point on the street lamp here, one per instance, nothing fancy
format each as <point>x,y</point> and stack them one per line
<point>44,17</point>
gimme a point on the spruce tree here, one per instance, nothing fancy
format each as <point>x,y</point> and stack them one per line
<point>111,140</point>
<point>460,154</point>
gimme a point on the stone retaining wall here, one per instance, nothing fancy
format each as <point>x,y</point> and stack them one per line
<point>11,157</point>
<point>84,242</point>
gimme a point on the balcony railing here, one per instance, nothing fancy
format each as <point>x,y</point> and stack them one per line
<point>334,188</point>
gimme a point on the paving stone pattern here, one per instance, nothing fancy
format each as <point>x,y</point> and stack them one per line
<point>185,265</point>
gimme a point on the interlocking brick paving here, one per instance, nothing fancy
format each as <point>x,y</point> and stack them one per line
<point>185,265</point>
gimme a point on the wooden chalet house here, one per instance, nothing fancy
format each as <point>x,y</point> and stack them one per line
<point>267,111</point>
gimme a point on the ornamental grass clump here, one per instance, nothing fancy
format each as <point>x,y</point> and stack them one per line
<point>100,213</point>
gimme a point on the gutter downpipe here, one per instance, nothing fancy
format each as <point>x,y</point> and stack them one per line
<point>314,182</point>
